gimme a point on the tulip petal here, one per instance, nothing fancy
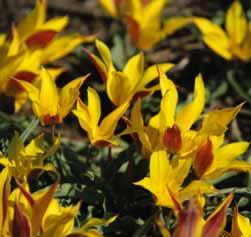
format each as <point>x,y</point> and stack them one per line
<point>216,221</point>
<point>21,223</point>
<point>33,20</point>
<point>63,45</point>
<point>191,112</point>
<point>214,37</point>
<point>69,94</point>
<point>215,122</point>
<point>236,23</point>
<point>49,104</point>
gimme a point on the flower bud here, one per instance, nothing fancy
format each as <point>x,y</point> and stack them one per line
<point>203,158</point>
<point>172,139</point>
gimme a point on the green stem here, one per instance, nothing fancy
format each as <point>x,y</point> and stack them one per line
<point>26,133</point>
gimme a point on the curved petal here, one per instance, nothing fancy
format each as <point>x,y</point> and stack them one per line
<point>191,112</point>
<point>236,23</point>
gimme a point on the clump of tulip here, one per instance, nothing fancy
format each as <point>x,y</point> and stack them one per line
<point>184,145</point>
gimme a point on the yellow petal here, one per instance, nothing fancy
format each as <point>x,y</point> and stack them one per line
<point>109,6</point>
<point>173,24</point>
<point>138,124</point>
<point>244,225</point>
<point>56,24</point>
<point>191,112</point>
<point>224,160</point>
<point>40,206</point>
<point>196,187</point>
<point>94,107</point>
<point>33,94</point>
<point>231,151</point>
<point>7,68</point>
<point>48,95</point>
<point>104,53</point>
<point>33,20</point>
<point>158,182</point>
<point>134,69</point>
<point>63,45</point>
<point>118,80</point>
<point>35,147</point>
<point>214,37</point>
<point>152,73</point>
<point>83,115</point>
<point>68,95</point>
<point>59,221</point>
<point>215,122</point>
<point>109,123</point>
<point>236,23</point>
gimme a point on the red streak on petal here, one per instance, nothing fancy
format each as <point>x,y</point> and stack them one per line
<point>100,71</point>
<point>119,2</point>
<point>140,94</point>
<point>51,119</point>
<point>172,139</point>
<point>27,195</point>
<point>5,201</point>
<point>13,84</point>
<point>21,224</point>
<point>145,2</point>
<point>203,158</point>
<point>133,28</point>
<point>189,220</point>
<point>215,223</point>
<point>40,39</point>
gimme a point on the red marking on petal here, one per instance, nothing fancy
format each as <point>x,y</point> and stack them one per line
<point>145,2</point>
<point>27,195</point>
<point>203,158</point>
<point>172,139</point>
<point>100,71</point>
<point>5,201</point>
<point>119,2</point>
<point>140,94</point>
<point>132,28</point>
<point>102,143</point>
<point>51,119</point>
<point>189,219</point>
<point>13,84</point>
<point>40,39</point>
<point>21,224</point>
<point>215,223</point>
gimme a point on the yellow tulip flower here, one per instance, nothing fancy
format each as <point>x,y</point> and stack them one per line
<point>34,207</point>
<point>172,131</point>
<point>133,81</point>
<point>213,159</point>
<point>21,160</point>
<point>99,133</point>
<point>49,104</point>
<point>191,222</point>
<point>166,179</point>
<point>40,34</point>
<point>168,130</point>
<point>142,18</point>
<point>58,221</point>
<point>235,43</point>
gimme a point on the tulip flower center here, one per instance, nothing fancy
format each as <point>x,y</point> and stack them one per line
<point>172,139</point>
